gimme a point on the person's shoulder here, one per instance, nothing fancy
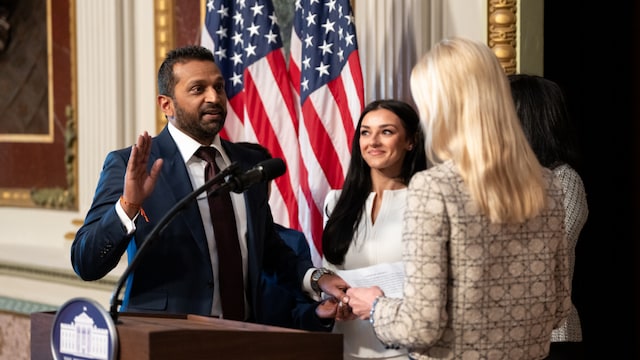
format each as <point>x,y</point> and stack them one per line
<point>565,170</point>
<point>118,155</point>
<point>444,178</point>
<point>283,229</point>
<point>568,177</point>
<point>295,239</point>
<point>331,198</point>
<point>333,193</point>
<point>244,150</point>
<point>439,172</point>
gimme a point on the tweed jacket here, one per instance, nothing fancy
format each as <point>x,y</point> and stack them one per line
<point>476,290</point>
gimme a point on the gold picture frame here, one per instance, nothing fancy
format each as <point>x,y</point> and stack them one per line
<point>40,169</point>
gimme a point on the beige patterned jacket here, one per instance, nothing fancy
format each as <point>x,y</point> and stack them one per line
<point>475,290</point>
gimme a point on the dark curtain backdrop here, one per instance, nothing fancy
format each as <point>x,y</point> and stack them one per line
<point>591,51</point>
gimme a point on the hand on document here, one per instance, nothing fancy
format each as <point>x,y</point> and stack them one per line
<point>369,283</point>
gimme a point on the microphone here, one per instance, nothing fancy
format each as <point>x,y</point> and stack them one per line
<point>227,180</point>
<point>265,171</point>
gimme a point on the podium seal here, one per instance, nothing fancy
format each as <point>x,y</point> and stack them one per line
<point>82,329</point>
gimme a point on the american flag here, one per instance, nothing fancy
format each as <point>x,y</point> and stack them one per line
<point>325,71</point>
<point>314,106</point>
<point>244,37</point>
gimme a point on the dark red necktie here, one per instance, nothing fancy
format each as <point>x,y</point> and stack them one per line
<point>230,280</point>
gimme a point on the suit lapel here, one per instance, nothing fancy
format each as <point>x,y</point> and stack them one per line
<point>177,186</point>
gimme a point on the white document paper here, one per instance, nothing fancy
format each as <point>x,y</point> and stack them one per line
<point>388,276</point>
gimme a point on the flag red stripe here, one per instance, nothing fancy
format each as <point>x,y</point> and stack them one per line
<point>233,124</point>
<point>322,145</point>
<point>294,73</point>
<point>276,59</point>
<point>336,87</point>
<point>315,221</point>
<point>356,74</point>
<point>267,137</point>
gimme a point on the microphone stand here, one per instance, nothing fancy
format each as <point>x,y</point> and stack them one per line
<point>230,170</point>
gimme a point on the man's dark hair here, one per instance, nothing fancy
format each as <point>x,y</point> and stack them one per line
<point>166,80</point>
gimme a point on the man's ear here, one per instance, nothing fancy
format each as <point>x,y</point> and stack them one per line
<point>166,105</point>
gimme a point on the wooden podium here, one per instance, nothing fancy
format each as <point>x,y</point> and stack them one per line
<point>143,336</point>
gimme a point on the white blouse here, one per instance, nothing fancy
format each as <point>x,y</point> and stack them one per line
<point>373,243</point>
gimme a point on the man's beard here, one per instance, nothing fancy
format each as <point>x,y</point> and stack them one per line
<point>191,123</point>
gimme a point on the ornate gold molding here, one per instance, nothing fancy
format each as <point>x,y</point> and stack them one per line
<point>16,197</point>
<point>503,32</point>
<point>164,29</point>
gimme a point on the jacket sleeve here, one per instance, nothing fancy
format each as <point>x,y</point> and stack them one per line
<point>305,318</point>
<point>102,240</point>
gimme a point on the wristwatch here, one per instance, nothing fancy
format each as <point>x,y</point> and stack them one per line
<point>315,277</point>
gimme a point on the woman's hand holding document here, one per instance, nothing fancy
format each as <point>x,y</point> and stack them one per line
<point>388,276</point>
<point>367,284</point>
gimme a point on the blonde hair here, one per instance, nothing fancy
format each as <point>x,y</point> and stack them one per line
<point>465,105</point>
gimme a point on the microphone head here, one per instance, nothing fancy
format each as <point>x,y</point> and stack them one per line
<point>272,168</point>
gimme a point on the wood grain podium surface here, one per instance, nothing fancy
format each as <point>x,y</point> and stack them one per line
<point>145,336</point>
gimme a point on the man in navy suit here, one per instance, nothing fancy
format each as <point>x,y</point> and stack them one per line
<point>139,185</point>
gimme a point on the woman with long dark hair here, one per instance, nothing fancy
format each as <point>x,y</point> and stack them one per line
<point>364,219</point>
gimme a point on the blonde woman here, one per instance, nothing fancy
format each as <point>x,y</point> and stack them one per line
<point>484,248</point>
